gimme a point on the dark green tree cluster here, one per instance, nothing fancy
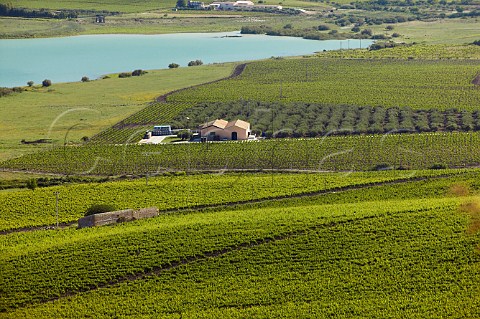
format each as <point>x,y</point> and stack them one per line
<point>8,10</point>
<point>195,63</point>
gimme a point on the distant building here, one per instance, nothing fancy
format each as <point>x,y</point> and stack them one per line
<point>100,19</point>
<point>241,5</point>
<point>198,5</point>
<point>222,130</point>
<point>161,130</point>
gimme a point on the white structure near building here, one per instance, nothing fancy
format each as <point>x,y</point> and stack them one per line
<point>241,5</point>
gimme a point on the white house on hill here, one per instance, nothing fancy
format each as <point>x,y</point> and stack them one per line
<point>222,130</point>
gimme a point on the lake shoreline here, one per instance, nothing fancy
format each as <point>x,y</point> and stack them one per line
<point>68,59</point>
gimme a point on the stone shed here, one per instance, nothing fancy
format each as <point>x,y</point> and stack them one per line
<point>117,217</point>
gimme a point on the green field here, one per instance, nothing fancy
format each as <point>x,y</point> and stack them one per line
<point>334,153</point>
<point>127,6</point>
<point>311,96</point>
<point>415,84</point>
<point>26,208</point>
<point>330,225</point>
<point>113,5</point>
<point>376,252</point>
<point>66,112</point>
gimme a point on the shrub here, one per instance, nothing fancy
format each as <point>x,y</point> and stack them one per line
<point>99,208</point>
<point>194,63</point>
<point>173,66</point>
<point>124,75</point>
<point>379,37</point>
<point>46,83</point>
<point>355,29</point>
<point>323,27</point>
<point>395,35</point>
<point>30,83</point>
<point>185,135</point>
<point>389,27</point>
<point>138,72</point>
<point>438,166</point>
<point>477,42</point>
<point>32,184</point>
<point>368,32</point>
<point>85,79</point>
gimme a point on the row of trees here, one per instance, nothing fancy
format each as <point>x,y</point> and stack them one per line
<point>9,11</point>
<point>310,120</point>
<point>191,63</point>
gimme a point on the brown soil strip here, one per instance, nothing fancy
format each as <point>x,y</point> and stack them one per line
<point>476,81</point>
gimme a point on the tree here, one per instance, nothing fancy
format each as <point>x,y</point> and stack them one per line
<point>32,184</point>
<point>46,83</point>
<point>85,79</point>
<point>181,3</point>
<point>194,63</point>
<point>185,135</point>
<point>138,72</point>
<point>173,66</point>
<point>30,83</point>
<point>368,32</point>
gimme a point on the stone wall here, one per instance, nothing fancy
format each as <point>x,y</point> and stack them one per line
<point>116,217</point>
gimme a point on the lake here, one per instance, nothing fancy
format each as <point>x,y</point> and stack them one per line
<point>68,59</point>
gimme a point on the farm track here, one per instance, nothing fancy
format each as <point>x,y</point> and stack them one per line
<point>238,70</point>
<point>192,209</point>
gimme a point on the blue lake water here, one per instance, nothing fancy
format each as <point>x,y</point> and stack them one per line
<point>70,58</point>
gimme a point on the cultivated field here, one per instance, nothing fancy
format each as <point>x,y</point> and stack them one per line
<point>397,250</point>
<point>338,215</point>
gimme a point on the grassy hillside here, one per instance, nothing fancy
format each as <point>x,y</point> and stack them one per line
<point>363,252</point>
<point>67,112</point>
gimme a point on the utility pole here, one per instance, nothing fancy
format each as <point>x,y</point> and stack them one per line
<point>56,205</point>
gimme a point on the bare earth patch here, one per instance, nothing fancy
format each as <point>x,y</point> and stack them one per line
<point>476,81</point>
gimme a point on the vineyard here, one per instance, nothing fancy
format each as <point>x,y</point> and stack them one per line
<point>410,52</point>
<point>384,251</point>
<point>335,153</point>
<point>26,208</point>
<point>417,84</point>
<point>429,95</point>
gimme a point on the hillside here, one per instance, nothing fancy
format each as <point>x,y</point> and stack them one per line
<point>380,251</point>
